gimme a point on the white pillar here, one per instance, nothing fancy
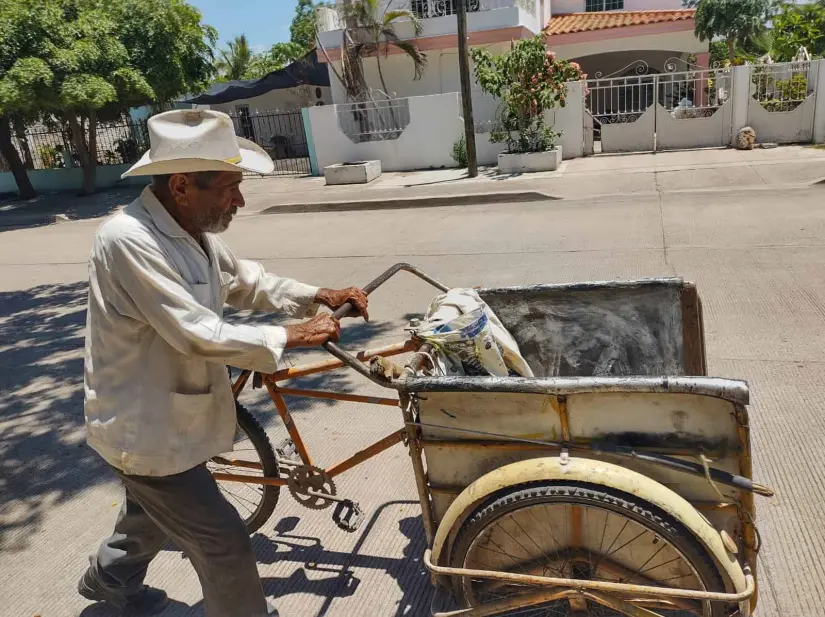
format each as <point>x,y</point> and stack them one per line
<point>741,98</point>
<point>819,109</point>
<point>570,120</point>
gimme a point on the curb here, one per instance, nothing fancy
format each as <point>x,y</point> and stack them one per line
<point>412,202</point>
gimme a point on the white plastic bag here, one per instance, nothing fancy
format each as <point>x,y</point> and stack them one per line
<point>469,338</point>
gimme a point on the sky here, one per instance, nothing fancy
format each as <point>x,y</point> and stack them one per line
<point>263,21</point>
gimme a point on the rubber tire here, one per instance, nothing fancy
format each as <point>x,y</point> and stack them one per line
<point>257,435</point>
<point>638,510</point>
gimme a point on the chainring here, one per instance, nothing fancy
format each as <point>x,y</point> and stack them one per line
<point>308,477</point>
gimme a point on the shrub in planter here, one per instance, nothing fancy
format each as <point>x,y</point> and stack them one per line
<point>528,80</point>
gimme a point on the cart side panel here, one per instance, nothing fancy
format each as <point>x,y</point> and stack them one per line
<point>679,425</point>
<point>600,330</point>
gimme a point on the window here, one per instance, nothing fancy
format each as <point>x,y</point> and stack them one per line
<point>603,5</point>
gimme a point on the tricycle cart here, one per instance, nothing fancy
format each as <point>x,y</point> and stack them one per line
<point>615,482</point>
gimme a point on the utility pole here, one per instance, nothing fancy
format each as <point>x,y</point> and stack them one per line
<point>466,94</point>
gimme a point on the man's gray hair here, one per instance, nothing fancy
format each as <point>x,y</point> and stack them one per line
<point>203,179</point>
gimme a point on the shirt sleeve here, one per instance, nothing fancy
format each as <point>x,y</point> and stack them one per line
<point>147,288</point>
<point>252,288</point>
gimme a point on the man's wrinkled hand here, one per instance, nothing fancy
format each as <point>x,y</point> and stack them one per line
<point>313,333</point>
<point>336,298</point>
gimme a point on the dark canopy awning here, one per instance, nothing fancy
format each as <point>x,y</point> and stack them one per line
<point>304,71</point>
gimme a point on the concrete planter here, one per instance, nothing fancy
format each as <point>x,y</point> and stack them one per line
<point>530,161</point>
<point>361,172</point>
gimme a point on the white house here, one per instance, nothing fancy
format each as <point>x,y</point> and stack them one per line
<point>606,37</point>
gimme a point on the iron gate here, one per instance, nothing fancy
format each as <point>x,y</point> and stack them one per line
<point>650,111</point>
<point>281,134</point>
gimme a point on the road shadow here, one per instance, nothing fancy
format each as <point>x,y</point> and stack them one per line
<point>101,609</point>
<point>44,460</point>
<point>35,212</point>
<point>286,546</point>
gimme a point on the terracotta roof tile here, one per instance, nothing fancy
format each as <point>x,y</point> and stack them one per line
<point>587,22</point>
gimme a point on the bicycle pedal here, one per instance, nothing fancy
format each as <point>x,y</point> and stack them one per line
<point>348,515</point>
<point>286,450</point>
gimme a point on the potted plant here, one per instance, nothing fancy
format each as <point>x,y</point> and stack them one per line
<point>528,80</point>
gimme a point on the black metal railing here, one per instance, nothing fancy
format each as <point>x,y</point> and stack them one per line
<point>281,134</point>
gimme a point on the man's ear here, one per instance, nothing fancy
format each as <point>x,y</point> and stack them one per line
<point>178,189</point>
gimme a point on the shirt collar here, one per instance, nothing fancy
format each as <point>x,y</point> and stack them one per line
<point>160,215</point>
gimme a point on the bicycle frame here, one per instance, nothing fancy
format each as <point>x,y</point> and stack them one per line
<point>343,359</point>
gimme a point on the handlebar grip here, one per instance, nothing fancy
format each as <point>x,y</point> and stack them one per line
<point>342,311</point>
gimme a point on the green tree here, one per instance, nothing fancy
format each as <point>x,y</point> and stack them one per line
<point>303,29</point>
<point>236,61</point>
<point>372,31</point>
<point>168,44</point>
<point>798,26</point>
<point>528,80</point>
<point>731,20</point>
<point>75,63</point>
<point>70,63</point>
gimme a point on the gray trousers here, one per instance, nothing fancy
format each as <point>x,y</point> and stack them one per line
<point>189,509</point>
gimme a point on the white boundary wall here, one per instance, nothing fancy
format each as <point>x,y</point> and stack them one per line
<point>435,124</point>
<point>425,143</point>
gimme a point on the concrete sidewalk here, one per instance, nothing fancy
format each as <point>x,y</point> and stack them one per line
<point>585,178</point>
<point>597,177</point>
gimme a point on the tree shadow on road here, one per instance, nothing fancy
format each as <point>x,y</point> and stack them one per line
<point>33,212</point>
<point>44,459</point>
<point>43,456</point>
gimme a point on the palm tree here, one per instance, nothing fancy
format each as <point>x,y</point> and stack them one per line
<point>732,20</point>
<point>235,62</point>
<point>372,31</point>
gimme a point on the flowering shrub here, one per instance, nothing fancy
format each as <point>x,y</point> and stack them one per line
<point>529,80</point>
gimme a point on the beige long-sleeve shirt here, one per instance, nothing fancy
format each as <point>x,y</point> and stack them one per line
<point>157,396</point>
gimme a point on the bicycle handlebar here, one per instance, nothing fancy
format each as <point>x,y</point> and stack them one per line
<point>346,357</point>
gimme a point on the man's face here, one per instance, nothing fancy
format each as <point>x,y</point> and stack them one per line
<point>211,203</point>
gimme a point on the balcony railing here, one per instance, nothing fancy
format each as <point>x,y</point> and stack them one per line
<point>329,19</point>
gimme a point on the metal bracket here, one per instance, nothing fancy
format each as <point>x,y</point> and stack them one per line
<point>564,456</point>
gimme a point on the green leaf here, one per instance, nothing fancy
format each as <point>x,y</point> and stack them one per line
<point>84,92</point>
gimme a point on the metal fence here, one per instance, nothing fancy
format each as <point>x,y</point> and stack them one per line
<point>44,148</point>
<point>685,94</point>
<point>281,135</point>
<point>374,120</point>
<point>783,86</point>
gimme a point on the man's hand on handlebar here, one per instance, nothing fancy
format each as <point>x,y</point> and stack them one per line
<point>336,298</point>
<point>313,333</point>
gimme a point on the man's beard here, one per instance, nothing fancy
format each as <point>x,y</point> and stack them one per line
<point>217,225</point>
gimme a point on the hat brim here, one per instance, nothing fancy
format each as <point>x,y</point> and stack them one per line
<point>253,158</point>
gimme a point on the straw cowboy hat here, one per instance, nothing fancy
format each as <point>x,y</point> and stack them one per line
<point>186,140</point>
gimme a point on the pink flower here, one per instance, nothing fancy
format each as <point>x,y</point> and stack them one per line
<point>576,66</point>
<point>551,54</point>
<point>584,75</point>
<point>535,79</point>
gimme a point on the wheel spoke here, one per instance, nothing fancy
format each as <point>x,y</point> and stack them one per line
<point>538,538</point>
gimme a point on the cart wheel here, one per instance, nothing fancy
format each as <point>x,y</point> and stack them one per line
<point>581,531</point>
<point>254,502</point>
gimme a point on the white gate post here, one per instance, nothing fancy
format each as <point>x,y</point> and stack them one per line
<point>741,94</point>
<point>819,108</point>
